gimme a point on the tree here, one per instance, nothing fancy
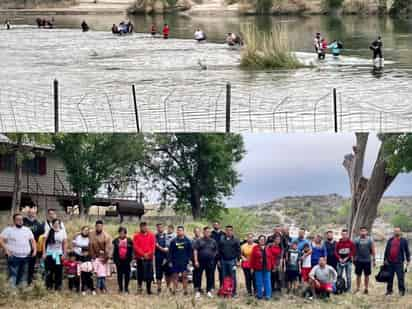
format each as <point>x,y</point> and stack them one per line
<point>194,171</point>
<point>22,148</point>
<point>90,159</point>
<point>394,157</point>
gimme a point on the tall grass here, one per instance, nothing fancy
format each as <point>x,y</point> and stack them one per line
<point>264,50</point>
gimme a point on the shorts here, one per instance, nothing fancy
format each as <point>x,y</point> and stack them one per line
<point>305,273</point>
<point>162,269</point>
<point>324,287</point>
<point>292,275</point>
<point>177,269</point>
<point>363,267</point>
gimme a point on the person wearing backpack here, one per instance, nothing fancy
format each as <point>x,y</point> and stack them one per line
<point>336,47</point>
<point>364,258</point>
<point>396,253</point>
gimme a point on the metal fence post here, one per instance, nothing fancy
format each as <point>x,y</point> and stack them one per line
<point>228,102</point>
<point>335,111</point>
<point>56,105</point>
<point>136,111</point>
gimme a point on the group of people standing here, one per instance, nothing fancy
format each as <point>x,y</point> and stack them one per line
<point>167,257</point>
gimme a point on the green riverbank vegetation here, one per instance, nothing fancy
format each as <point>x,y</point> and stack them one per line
<point>267,50</point>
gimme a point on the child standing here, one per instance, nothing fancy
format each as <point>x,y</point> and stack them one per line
<point>306,262</point>
<point>86,272</point>
<point>292,267</point>
<point>101,268</point>
<point>71,268</point>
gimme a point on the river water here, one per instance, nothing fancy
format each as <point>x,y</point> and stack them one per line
<point>96,70</point>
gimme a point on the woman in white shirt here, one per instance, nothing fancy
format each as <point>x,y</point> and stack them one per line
<point>54,248</point>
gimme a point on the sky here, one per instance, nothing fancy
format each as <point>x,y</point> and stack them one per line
<point>278,165</point>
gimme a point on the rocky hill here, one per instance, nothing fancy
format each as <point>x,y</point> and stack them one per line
<point>318,213</point>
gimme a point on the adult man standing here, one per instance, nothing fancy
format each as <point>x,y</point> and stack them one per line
<point>51,215</point>
<point>37,229</point>
<point>144,244</point>
<point>161,253</point>
<point>345,251</point>
<point>19,244</point>
<point>330,245</point>
<point>100,241</point>
<point>180,253</point>
<point>229,252</point>
<point>364,258</point>
<point>396,253</point>
<point>217,235</point>
<point>277,231</point>
<point>205,251</point>
<point>301,240</point>
<point>322,277</point>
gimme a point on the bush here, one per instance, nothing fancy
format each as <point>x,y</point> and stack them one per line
<point>334,4</point>
<point>402,221</point>
<point>401,7</point>
<point>243,222</point>
<point>267,50</point>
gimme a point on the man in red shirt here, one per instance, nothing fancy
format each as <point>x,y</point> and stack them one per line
<point>144,244</point>
<point>344,252</point>
<point>396,254</point>
<point>166,31</point>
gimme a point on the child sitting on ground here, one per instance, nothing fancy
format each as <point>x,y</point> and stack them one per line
<point>86,272</point>
<point>71,268</point>
<point>102,269</point>
<point>292,267</point>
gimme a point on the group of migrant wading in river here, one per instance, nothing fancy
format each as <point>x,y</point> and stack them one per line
<point>232,39</point>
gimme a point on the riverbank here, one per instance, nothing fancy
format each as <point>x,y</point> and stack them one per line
<point>203,7</point>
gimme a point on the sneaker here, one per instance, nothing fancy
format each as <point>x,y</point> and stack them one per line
<point>356,291</point>
<point>94,293</point>
<point>366,292</point>
<point>185,293</point>
<point>388,293</point>
<point>209,294</point>
<point>197,295</point>
<point>84,293</point>
<point>402,293</point>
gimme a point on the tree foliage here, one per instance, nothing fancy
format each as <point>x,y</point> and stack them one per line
<point>90,159</point>
<point>194,172</point>
<point>398,152</point>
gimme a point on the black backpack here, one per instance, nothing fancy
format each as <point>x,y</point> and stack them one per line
<point>340,45</point>
<point>340,285</point>
<point>383,274</point>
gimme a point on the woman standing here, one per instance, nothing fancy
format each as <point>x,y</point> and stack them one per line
<point>246,251</point>
<point>277,252</point>
<point>122,257</point>
<point>262,262</point>
<point>80,241</point>
<point>54,249</point>
<point>318,250</point>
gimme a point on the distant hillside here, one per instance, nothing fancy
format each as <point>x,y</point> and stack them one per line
<point>316,213</point>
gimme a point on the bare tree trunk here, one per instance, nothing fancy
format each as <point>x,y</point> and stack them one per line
<point>18,175</point>
<point>366,193</point>
<point>195,201</point>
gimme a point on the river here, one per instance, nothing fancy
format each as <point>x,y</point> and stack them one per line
<point>96,70</point>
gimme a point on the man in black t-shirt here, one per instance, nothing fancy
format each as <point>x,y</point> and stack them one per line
<point>205,251</point>
<point>37,229</point>
<point>217,235</point>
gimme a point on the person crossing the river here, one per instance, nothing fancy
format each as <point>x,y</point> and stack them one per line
<point>153,30</point>
<point>199,35</point>
<point>316,42</point>
<point>376,47</point>
<point>85,26</point>
<point>166,31</point>
<point>7,24</point>
<point>336,47</point>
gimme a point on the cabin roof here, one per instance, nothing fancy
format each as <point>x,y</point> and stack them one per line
<point>5,140</point>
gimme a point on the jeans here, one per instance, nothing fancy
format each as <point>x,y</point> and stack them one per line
<point>219,270</point>
<point>276,281</point>
<point>262,281</point>
<point>207,267</point>
<point>347,267</point>
<point>31,268</point>
<point>17,268</point>
<point>396,268</point>
<point>54,274</point>
<point>101,283</point>
<point>123,275</point>
<point>229,270</point>
<point>249,281</point>
<point>145,273</point>
<point>74,283</point>
<point>87,281</point>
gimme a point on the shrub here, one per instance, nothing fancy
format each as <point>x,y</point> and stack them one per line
<point>402,221</point>
<point>334,4</point>
<point>267,50</point>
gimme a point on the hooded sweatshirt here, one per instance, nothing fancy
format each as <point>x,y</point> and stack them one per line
<point>345,248</point>
<point>144,243</point>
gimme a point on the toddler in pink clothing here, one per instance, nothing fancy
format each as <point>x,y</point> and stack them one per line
<point>102,270</point>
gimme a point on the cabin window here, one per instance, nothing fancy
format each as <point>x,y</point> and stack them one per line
<point>36,166</point>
